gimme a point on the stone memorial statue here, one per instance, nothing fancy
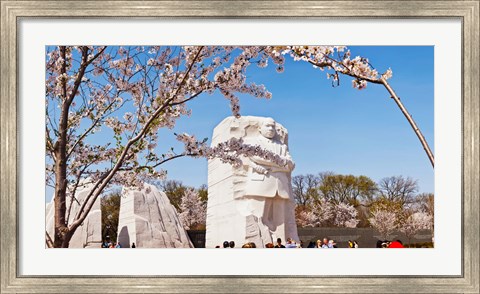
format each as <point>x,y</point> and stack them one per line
<point>252,203</point>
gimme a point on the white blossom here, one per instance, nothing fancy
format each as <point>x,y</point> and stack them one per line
<point>345,215</point>
<point>319,214</point>
<point>192,209</point>
<point>416,222</point>
<point>385,222</point>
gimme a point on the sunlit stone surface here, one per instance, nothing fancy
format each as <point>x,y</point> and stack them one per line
<point>253,203</point>
<point>89,234</point>
<point>149,220</point>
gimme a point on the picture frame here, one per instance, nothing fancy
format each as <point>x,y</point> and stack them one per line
<point>13,11</point>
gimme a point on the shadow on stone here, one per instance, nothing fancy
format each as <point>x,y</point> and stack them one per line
<point>124,237</point>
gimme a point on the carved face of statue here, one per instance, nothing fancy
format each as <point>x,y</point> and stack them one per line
<point>268,129</point>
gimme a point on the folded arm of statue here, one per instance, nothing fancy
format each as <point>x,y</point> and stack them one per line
<point>260,169</point>
<point>268,162</point>
<point>263,166</point>
<point>249,163</point>
<point>263,161</point>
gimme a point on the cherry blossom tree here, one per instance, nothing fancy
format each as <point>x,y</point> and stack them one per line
<point>385,222</point>
<point>318,214</point>
<point>193,211</point>
<point>326,213</point>
<point>426,202</point>
<point>345,215</point>
<point>105,106</point>
<point>395,207</point>
<point>416,222</point>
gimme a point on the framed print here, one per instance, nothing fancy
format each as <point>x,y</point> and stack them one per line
<point>434,46</point>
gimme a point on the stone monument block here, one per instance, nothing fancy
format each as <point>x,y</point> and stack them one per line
<point>252,203</point>
<point>149,220</point>
<point>89,233</point>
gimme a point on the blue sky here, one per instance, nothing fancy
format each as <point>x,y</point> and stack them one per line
<point>339,129</point>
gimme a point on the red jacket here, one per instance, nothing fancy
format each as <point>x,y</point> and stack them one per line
<point>395,244</point>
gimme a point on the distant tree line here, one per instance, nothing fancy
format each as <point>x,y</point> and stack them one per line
<point>393,203</point>
<point>110,206</point>
<point>326,199</point>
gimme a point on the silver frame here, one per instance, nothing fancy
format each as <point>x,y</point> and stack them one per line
<point>467,11</point>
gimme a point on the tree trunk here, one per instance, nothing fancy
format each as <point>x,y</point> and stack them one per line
<point>411,121</point>
<point>60,149</point>
<point>63,234</point>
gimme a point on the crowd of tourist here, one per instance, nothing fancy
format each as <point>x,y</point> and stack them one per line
<point>325,243</point>
<point>290,243</point>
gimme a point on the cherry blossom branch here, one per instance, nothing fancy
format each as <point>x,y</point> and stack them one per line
<point>80,217</point>
<point>333,63</point>
<point>75,224</point>
<point>54,127</point>
<point>157,164</point>
<point>50,147</point>
<point>346,70</point>
<point>85,63</point>
<point>75,190</point>
<point>89,130</point>
<point>188,99</point>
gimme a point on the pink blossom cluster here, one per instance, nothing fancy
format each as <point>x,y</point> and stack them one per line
<point>326,213</point>
<point>233,78</point>
<point>230,151</point>
<point>417,221</point>
<point>384,221</point>
<point>335,58</point>
<point>235,148</point>
<point>345,215</point>
<point>319,214</point>
<point>193,211</point>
